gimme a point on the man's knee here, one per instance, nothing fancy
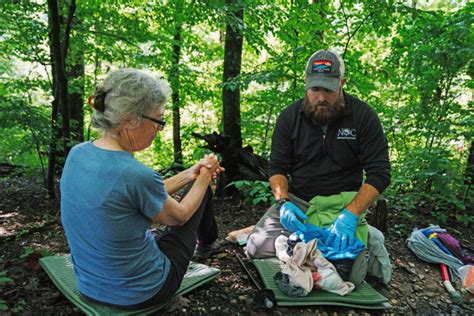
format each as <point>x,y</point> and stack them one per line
<point>252,247</point>
<point>261,242</point>
<point>259,245</point>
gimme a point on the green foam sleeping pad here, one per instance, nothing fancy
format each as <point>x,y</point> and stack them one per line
<point>60,270</point>
<point>365,296</point>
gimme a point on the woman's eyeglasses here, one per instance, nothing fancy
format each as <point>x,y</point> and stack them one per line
<point>154,120</point>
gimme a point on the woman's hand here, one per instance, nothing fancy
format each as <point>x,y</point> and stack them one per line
<point>207,162</point>
<point>210,169</point>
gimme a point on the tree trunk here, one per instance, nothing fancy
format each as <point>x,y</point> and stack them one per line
<point>239,163</point>
<point>75,75</point>
<point>60,102</point>
<point>76,98</point>
<point>175,85</point>
<point>232,66</point>
<point>59,72</point>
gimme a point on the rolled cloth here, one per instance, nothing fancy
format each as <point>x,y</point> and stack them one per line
<point>428,251</point>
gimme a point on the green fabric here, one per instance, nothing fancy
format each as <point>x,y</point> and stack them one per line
<point>60,270</point>
<point>323,211</point>
<point>365,296</point>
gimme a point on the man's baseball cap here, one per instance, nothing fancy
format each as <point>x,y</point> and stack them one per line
<point>324,69</point>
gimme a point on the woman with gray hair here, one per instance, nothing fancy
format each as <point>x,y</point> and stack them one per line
<point>109,201</point>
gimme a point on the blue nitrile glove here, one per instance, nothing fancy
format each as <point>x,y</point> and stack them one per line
<point>291,217</point>
<point>313,232</point>
<point>350,252</point>
<point>342,231</point>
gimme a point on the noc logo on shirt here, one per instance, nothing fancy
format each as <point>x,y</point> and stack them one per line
<point>346,133</point>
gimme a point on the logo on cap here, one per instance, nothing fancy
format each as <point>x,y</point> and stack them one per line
<point>321,66</point>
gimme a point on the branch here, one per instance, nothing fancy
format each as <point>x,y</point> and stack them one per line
<point>111,35</point>
<point>346,19</point>
<point>348,30</point>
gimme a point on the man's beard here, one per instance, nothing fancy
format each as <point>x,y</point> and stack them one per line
<point>324,113</point>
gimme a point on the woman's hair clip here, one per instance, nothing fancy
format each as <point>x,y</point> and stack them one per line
<point>99,101</point>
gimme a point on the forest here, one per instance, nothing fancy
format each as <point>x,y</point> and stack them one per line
<point>233,66</point>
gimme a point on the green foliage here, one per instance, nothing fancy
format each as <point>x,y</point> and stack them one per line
<point>3,305</point>
<point>254,192</point>
<point>45,252</point>
<point>27,128</point>
<point>414,67</point>
<point>401,230</point>
<point>417,178</point>
<point>4,279</point>
<point>19,307</point>
<point>429,123</point>
<point>26,252</point>
<point>440,217</point>
<point>465,219</point>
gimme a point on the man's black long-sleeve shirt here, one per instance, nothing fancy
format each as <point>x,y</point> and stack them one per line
<point>327,163</point>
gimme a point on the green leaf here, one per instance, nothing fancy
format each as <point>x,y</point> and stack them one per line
<point>5,280</point>
<point>3,305</point>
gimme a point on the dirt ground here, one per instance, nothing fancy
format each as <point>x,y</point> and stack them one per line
<point>30,228</point>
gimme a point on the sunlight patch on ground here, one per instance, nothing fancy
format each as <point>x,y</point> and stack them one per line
<point>8,215</point>
<point>3,231</point>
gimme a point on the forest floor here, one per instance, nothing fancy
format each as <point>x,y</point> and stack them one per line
<point>30,228</point>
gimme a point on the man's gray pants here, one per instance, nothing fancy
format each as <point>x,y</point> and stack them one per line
<point>261,241</point>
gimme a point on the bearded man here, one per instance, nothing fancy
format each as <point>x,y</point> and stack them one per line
<point>322,146</point>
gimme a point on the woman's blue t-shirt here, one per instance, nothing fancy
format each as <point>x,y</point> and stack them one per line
<point>108,200</point>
